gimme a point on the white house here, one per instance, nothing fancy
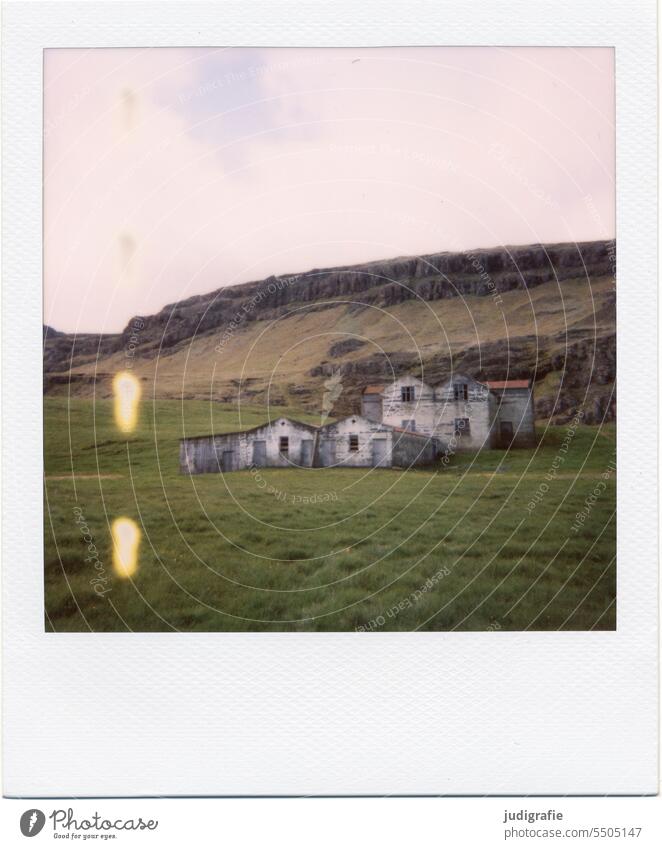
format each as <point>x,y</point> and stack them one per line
<point>461,411</point>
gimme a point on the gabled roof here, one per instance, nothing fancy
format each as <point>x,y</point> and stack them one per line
<point>412,433</point>
<point>508,384</point>
<point>268,423</point>
<point>403,378</point>
<point>456,377</point>
<point>355,417</point>
<point>375,389</point>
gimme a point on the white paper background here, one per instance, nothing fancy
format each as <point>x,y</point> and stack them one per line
<point>429,713</point>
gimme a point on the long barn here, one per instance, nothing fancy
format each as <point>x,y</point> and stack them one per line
<point>284,442</point>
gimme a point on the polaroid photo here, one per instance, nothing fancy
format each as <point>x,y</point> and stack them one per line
<point>315,477</point>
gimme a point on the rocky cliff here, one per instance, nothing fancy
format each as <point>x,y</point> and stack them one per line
<point>569,354</point>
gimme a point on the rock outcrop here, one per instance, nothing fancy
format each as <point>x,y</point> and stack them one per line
<point>571,368</point>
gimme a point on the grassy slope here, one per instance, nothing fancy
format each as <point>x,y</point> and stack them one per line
<point>230,554</point>
<point>280,353</point>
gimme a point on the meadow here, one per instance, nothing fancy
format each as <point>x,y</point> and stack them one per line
<point>489,541</point>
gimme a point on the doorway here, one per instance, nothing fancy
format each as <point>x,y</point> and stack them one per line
<point>260,453</point>
<point>379,453</point>
<point>506,433</point>
<point>328,452</point>
<point>306,452</point>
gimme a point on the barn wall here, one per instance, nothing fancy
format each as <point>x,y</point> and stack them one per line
<point>197,456</point>
<point>409,450</point>
<point>367,431</point>
<point>422,410</point>
<point>515,406</point>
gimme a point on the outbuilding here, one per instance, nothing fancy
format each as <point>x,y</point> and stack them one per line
<point>282,442</point>
<point>358,441</point>
<point>353,441</point>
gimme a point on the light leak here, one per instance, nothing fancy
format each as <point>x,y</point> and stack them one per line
<point>126,540</point>
<point>127,397</point>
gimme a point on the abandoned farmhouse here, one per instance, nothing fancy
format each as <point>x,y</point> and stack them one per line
<point>405,423</point>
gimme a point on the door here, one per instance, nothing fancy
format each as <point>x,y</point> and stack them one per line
<point>506,433</point>
<point>328,452</point>
<point>306,452</point>
<point>260,453</point>
<point>227,461</point>
<point>379,453</point>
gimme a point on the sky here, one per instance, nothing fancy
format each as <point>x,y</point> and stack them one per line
<point>172,172</point>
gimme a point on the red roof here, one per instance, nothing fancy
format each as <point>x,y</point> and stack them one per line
<point>373,390</point>
<point>508,384</point>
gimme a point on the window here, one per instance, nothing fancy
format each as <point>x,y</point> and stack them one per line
<point>353,442</point>
<point>462,427</point>
<point>407,393</point>
<point>409,424</point>
<point>461,391</point>
<point>284,444</point>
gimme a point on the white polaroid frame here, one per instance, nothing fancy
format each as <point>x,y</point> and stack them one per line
<point>330,713</point>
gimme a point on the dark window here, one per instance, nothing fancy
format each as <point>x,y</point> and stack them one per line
<point>461,391</point>
<point>353,442</point>
<point>284,444</point>
<point>409,424</point>
<point>462,427</point>
<point>407,393</point>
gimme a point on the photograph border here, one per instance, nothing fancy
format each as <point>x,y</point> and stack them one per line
<point>424,713</point>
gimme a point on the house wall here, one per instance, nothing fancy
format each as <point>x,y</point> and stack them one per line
<point>366,430</point>
<point>515,406</point>
<point>478,408</point>
<point>422,410</point>
<point>371,407</point>
<point>206,453</point>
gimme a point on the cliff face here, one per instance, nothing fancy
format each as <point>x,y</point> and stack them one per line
<point>536,348</point>
<point>385,283</point>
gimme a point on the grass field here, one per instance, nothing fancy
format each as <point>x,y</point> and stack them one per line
<point>447,548</point>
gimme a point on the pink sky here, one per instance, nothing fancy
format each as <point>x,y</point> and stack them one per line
<point>173,172</point>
